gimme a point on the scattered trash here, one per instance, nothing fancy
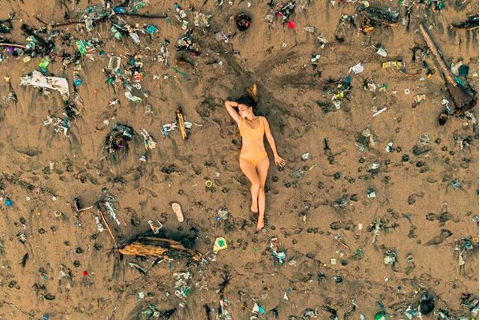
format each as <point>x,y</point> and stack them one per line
<point>223,314</point>
<point>178,211</point>
<point>380,111</point>
<point>257,309</point>
<point>243,21</point>
<point>389,147</point>
<point>155,229</point>
<point>418,99</point>
<point>456,184</point>
<point>117,140</point>
<point>358,68</point>
<point>220,244</point>
<point>315,59</point>
<point>278,255</point>
<point>390,257</point>
<point>104,55</point>
<point>322,39</point>
<point>381,52</point>
<point>285,295</point>
<point>371,193</point>
<point>397,64</point>
<point>149,143</point>
<point>36,79</point>
<point>310,29</point>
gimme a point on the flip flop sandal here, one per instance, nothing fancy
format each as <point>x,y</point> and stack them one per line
<point>178,211</point>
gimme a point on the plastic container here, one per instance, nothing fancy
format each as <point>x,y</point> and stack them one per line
<point>44,64</point>
<point>119,9</point>
<point>77,80</point>
<point>151,29</point>
<point>114,63</point>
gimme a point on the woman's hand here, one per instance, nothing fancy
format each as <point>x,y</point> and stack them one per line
<point>279,161</point>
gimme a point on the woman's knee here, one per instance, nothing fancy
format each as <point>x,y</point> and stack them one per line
<point>256,185</point>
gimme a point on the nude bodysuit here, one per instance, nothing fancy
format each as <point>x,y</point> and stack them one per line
<point>255,151</point>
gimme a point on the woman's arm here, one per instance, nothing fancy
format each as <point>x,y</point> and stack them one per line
<point>233,113</point>
<point>268,133</point>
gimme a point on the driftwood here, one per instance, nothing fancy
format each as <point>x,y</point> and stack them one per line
<point>462,100</point>
<point>158,248</point>
<point>438,57</point>
<point>154,247</point>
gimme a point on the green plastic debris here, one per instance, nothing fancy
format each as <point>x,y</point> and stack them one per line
<point>81,47</point>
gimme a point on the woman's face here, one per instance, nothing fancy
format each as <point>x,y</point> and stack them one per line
<point>244,110</point>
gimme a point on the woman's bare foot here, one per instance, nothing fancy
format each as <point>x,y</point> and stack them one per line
<point>254,208</point>
<point>260,224</point>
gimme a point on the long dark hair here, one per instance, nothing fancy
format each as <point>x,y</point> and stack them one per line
<point>251,99</point>
<point>247,100</point>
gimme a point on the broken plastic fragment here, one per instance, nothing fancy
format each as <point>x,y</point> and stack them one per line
<point>39,80</point>
<point>358,68</point>
<point>131,97</point>
<point>381,52</point>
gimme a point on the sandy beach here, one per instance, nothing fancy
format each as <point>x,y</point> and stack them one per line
<point>360,227</point>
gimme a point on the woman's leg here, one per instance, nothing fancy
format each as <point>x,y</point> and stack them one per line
<point>249,170</point>
<point>262,169</point>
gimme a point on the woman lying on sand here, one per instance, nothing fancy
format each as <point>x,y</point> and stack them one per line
<point>253,157</point>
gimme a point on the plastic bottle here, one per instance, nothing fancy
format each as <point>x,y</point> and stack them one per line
<point>380,316</point>
<point>44,63</point>
<point>76,79</point>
